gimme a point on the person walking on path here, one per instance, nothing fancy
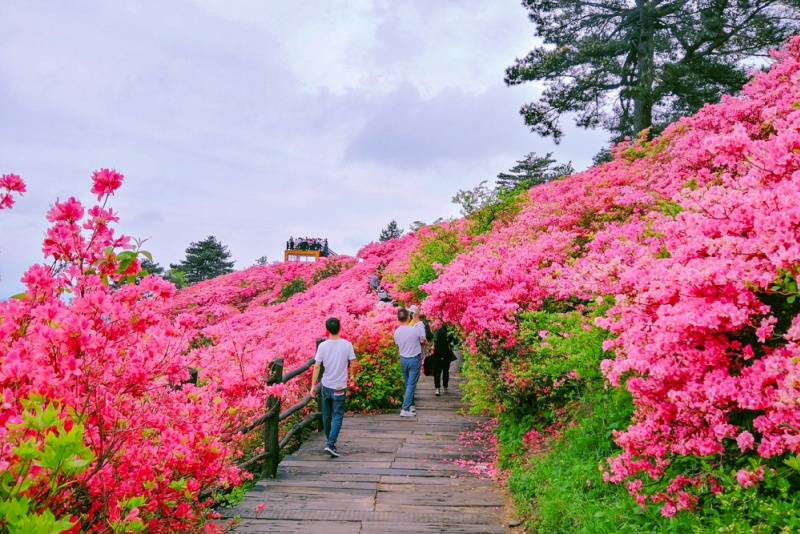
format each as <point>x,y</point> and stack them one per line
<point>419,321</point>
<point>409,340</point>
<point>442,352</point>
<point>335,354</point>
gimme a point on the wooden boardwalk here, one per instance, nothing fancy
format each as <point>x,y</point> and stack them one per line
<point>395,475</point>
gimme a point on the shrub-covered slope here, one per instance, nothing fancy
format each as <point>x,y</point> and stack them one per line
<point>684,252</point>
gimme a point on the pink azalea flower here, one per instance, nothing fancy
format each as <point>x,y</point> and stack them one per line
<point>105,182</point>
<point>745,441</point>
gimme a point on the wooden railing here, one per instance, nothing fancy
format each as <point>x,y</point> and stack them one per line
<point>273,416</point>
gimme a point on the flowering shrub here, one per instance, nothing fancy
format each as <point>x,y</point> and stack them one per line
<point>100,370</point>
<point>677,262</point>
<point>694,236</point>
<point>438,246</point>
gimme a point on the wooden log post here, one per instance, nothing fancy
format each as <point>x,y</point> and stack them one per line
<point>271,446</point>
<point>320,425</point>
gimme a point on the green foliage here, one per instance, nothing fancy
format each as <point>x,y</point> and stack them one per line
<point>16,517</point>
<point>656,61</point>
<point>503,207</point>
<point>532,170</point>
<point>558,357</point>
<point>177,277</point>
<point>293,286</point>
<point>230,497</point>
<point>786,284</point>
<point>441,245</point>
<point>135,525</point>
<point>669,208</point>
<point>559,488</point>
<point>46,450</point>
<point>123,261</point>
<point>151,267</point>
<point>556,483</point>
<point>771,507</point>
<point>204,260</point>
<point>379,382</point>
<point>391,231</point>
<point>472,200</point>
<point>332,268</point>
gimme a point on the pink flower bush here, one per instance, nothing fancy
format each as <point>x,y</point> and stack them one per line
<point>247,326</point>
<point>114,358</point>
<point>694,238</point>
<point>113,362</point>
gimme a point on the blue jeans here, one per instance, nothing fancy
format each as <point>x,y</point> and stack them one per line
<point>410,367</point>
<point>333,404</point>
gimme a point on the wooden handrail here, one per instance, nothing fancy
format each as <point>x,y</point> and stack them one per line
<point>260,420</point>
<point>272,417</point>
<point>300,370</point>
<point>244,429</point>
<point>307,421</point>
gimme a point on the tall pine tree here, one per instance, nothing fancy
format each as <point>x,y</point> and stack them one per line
<point>627,65</point>
<point>204,260</point>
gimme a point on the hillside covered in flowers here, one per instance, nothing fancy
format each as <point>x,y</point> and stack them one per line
<point>634,328</point>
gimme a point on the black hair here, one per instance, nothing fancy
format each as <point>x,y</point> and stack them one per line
<point>333,325</point>
<point>402,315</point>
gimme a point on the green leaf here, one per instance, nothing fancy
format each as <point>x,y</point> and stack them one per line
<point>126,255</point>
<point>793,462</point>
<point>124,264</point>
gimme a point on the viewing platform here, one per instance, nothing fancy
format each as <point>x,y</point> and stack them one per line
<point>306,250</point>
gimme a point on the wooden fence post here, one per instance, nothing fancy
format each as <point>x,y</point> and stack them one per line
<point>320,425</point>
<point>271,426</point>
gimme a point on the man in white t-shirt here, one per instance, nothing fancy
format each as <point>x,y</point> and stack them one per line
<point>335,354</point>
<point>409,340</point>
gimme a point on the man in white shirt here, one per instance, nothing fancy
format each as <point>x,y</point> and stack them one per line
<point>335,354</point>
<point>409,340</point>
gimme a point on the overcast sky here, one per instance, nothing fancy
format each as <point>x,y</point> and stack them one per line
<point>255,120</point>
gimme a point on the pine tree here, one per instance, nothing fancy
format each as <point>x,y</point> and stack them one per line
<point>627,65</point>
<point>391,231</point>
<point>204,260</point>
<point>532,170</point>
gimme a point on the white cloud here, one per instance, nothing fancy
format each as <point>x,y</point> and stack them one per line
<point>252,121</point>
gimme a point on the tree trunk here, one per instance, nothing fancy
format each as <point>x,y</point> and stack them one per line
<point>645,67</point>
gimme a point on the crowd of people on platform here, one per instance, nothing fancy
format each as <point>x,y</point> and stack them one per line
<point>308,243</point>
<point>421,350</point>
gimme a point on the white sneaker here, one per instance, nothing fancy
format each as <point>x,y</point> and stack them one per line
<point>438,392</point>
<point>407,413</point>
<point>412,408</point>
